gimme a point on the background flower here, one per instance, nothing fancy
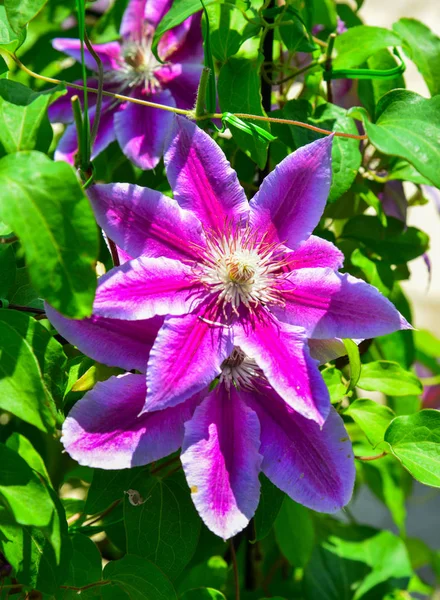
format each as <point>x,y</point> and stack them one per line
<point>131,69</point>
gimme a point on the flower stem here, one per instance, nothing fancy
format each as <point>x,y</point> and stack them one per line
<point>328,65</point>
<point>235,568</point>
<point>29,309</point>
<point>180,111</point>
<point>199,109</point>
<point>98,106</point>
<point>368,458</point>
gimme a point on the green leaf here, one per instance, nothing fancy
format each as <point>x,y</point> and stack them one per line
<point>20,12</point>
<point>389,378</point>
<point>371,417</point>
<point>403,171</point>
<point>229,29</point>
<point>357,44</point>
<point>203,594</point>
<point>85,564</point>
<point>165,528</point>
<point>408,126</point>
<point>415,441</point>
<point>271,500</point>
<point>9,39</point>
<point>422,46</point>
<point>239,92</point>
<point>22,446</point>
<point>48,352</point>
<point>393,244</point>
<point>8,269</point>
<point>294,533</point>
<point>334,383</point>
<point>138,579</point>
<point>22,491</point>
<point>212,572</point>
<point>294,34</point>
<point>24,124</point>
<point>47,209</point>
<point>109,486</point>
<point>355,363</point>
<point>22,389</point>
<point>97,372</point>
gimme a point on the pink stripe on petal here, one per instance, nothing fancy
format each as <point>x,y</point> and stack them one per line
<point>221,461</point>
<point>113,342</point>
<point>145,287</point>
<point>201,178</point>
<point>141,130</point>
<point>315,252</point>
<point>330,305</point>
<point>281,351</point>
<point>103,429</point>
<point>186,357</point>
<point>292,197</point>
<point>143,221</point>
<point>313,465</point>
<point>109,53</point>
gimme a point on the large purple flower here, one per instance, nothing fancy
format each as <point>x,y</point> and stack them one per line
<point>131,69</point>
<point>227,437</point>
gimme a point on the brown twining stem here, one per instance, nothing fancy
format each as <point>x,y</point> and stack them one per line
<point>9,240</point>
<point>181,111</point>
<point>164,465</point>
<point>85,587</point>
<point>29,309</point>
<point>98,106</point>
<point>235,568</point>
<point>104,514</point>
<point>368,458</point>
<point>114,252</point>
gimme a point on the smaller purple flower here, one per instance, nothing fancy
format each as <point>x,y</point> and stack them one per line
<point>227,437</point>
<point>131,69</point>
<point>431,393</point>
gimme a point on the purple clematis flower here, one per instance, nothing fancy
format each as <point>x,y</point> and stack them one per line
<point>131,69</point>
<point>215,287</point>
<point>227,436</point>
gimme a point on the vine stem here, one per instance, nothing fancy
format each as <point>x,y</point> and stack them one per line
<point>180,111</point>
<point>368,458</point>
<point>235,567</point>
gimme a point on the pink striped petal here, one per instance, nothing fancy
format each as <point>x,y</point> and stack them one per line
<point>133,20</point>
<point>315,252</point>
<point>330,305</point>
<point>143,221</point>
<point>292,197</point>
<point>221,461</point>
<point>281,351</point>
<point>201,178</point>
<point>145,287</point>
<point>141,130</point>
<point>182,80</point>
<point>103,430</point>
<point>186,357</point>
<point>109,53</point>
<point>313,465</point>
<point>113,342</point>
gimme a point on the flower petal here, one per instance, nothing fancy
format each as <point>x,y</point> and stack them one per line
<point>141,130</point>
<point>281,351</point>
<point>68,145</point>
<point>314,466</point>
<point>315,252</point>
<point>145,287</point>
<point>330,305</point>
<point>292,197</point>
<point>103,429</point>
<point>141,18</point>
<point>182,80</point>
<point>221,461</point>
<point>113,342</point>
<point>326,350</point>
<point>143,221</point>
<point>201,178</point>
<point>109,53</point>
<point>186,357</point>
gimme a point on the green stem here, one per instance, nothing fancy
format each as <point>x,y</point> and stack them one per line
<point>201,92</point>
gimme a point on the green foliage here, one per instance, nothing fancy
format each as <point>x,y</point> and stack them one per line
<point>371,417</point>
<point>49,212</point>
<point>415,441</point>
<point>295,533</point>
<point>389,378</point>
<point>357,44</point>
<point>9,39</point>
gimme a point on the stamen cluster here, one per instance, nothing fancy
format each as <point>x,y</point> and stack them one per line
<point>239,370</point>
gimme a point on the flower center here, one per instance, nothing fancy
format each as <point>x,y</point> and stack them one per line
<point>239,370</point>
<point>240,269</point>
<point>137,67</point>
